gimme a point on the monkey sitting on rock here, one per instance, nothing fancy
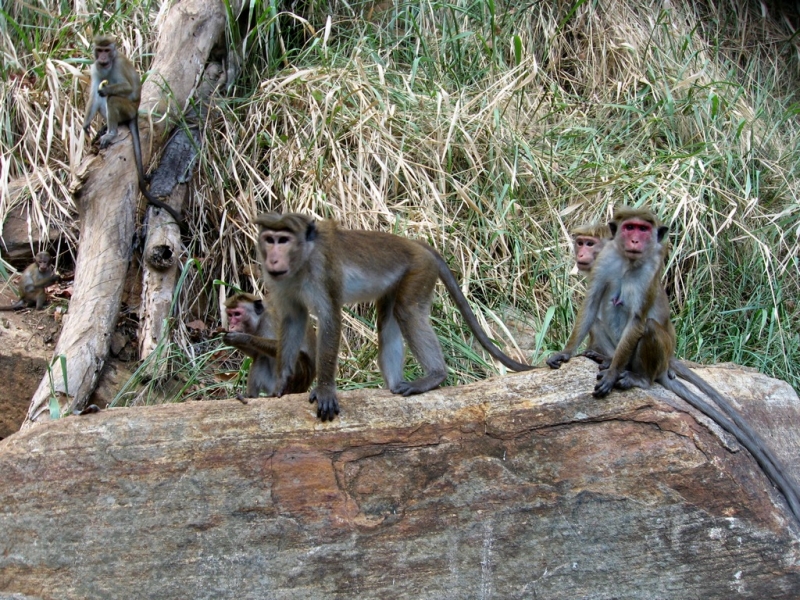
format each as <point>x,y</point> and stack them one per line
<point>627,310</point>
<point>35,278</point>
<point>251,330</point>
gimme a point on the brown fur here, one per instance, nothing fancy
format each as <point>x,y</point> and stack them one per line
<point>628,308</point>
<point>35,278</point>
<point>115,93</point>
<point>252,331</point>
<point>318,267</point>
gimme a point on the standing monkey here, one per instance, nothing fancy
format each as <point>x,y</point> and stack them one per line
<point>115,93</point>
<point>251,330</point>
<point>626,306</point>
<point>317,267</point>
<point>36,276</point>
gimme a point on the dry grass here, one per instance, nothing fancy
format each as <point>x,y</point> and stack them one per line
<point>488,131</point>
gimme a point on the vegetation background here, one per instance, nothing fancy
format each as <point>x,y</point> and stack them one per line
<point>486,128</point>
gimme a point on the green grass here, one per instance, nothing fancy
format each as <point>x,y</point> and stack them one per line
<point>485,129</point>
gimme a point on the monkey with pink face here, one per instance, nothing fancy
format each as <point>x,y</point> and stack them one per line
<point>627,310</point>
<point>251,330</point>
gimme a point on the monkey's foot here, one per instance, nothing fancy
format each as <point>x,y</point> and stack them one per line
<point>628,380</point>
<point>605,385</point>
<point>105,141</point>
<point>327,403</point>
<point>419,386</point>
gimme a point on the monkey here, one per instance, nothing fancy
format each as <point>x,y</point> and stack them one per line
<point>115,92</point>
<point>317,267</point>
<point>588,241</point>
<point>627,306</point>
<point>251,330</point>
<point>36,276</point>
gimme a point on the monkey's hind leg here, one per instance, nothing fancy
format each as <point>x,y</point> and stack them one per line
<point>416,326</point>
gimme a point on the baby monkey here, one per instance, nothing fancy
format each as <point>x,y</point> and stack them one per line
<point>251,330</point>
<point>35,278</point>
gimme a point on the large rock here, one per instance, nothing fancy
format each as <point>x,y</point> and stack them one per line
<point>518,487</point>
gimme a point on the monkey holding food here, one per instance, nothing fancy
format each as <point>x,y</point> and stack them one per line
<point>317,267</point>
<point>115,92</point>
<point>251,330</point>
<point>35,278</point>
<point>627,310</point>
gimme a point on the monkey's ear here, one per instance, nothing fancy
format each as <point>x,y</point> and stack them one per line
<point>612,225</point>
<point>311,231</point>
<point>661,232</point>
<point>258,306</point>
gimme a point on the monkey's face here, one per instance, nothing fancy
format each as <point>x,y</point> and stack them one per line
<point>237,319</point>
<point>281,252</point>
<point>43,262</point>
<point>636,237</point>
<point>586,250</point>
<point>243,316</point>
<point>104,56</point>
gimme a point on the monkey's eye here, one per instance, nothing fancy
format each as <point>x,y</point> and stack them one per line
<point>284,239</point>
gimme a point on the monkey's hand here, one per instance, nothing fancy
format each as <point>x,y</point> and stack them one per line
<point>235,339</point>
<point>102,89</point>
<point>327,403</point>
<point>557,359</point>
<point>601,359</point>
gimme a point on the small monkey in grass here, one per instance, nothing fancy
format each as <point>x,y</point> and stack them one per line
<point>251,329</point>
<point>35,278</point>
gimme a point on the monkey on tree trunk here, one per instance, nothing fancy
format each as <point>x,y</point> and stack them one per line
<point>317,267</point>
<point>627,308</point>
<point>115,92</point>
<point>36,276</point>
<point>251,330</point>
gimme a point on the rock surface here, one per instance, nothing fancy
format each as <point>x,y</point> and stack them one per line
<point>517,487</point>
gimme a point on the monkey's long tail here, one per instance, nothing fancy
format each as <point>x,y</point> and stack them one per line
<point>743,434</point>
<point>449,280</point>
<point>701,384</point>
<point>133,125</point>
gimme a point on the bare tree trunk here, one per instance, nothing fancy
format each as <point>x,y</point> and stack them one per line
<point>163,246</point>
<point>108,199</point>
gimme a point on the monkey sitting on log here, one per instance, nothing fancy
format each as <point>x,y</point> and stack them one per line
<point>115,92</point>
<point>317,267</point>
<point>251,330</point>
<point>627,307</point>
<point>35,278</point>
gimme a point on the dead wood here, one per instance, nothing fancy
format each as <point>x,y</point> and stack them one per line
<point>108,196</point>
<point>163,246</point>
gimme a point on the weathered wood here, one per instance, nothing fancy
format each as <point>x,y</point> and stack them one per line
<point>522,486</point>
<point>163,245</point>
<point>108,196</point>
